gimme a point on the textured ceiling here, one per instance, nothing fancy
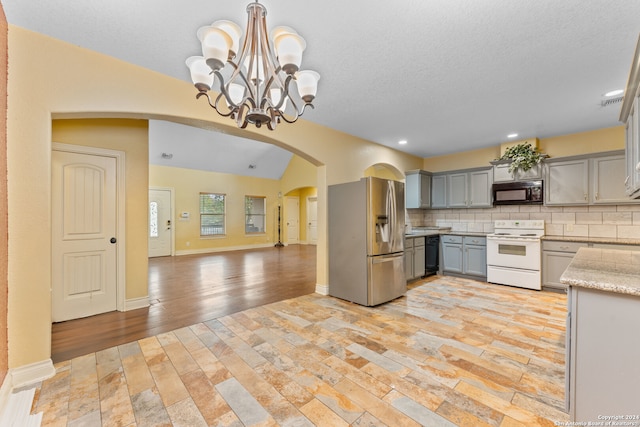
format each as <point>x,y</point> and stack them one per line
<point>446,75</point>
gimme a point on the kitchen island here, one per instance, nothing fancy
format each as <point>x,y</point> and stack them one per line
<point>603,336</point>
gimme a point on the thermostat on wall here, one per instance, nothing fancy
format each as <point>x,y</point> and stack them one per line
<point>184,215</point>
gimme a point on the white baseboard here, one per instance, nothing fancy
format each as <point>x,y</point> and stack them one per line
<point>322,289</point>
<point>15,407</point>
<point>224,249</point>
<point>31,374</point>
<point>135,303</point>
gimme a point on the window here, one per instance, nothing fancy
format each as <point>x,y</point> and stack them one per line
<point>153,219</point>
<point>255,210</point>
<point>212,214</point>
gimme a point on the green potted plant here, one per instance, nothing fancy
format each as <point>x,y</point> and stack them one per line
<point>522,156</point>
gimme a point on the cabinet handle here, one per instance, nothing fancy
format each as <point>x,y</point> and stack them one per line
<point>564,247</point>
<point>585,196</point>
<point>597,196</point>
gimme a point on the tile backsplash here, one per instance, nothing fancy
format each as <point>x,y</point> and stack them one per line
<point>617,221</point>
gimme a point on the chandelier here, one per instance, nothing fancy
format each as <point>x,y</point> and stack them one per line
<point>255,82</point>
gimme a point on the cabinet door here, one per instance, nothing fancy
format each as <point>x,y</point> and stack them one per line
<point>418,190</point>
<point>452,257</point>
<point>480,188</point>
<point>439,191</point>
<point>553,265</point>
<point>418,261</point>
<point>475,260</point>
<point>608,180</point>
<point>631,181</point>
<point>457,190</point>
<point>567,182</point>
<point>408,264</point>
<point>501,173</point>
<point>632,150</point>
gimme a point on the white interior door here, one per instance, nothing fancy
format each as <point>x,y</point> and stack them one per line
<point>84,230</point>
<point>160,223</point>
<point>293,220</point>
<point>312,220</point>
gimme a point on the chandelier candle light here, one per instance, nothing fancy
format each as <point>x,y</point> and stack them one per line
<point>255,82</point>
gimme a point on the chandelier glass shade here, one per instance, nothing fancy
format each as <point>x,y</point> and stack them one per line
<point>254,81</point>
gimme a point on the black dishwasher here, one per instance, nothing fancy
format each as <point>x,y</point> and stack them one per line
<point>431,247</point>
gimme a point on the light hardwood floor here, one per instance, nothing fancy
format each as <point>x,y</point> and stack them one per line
<point>452,352</point>
<point>190,289</point>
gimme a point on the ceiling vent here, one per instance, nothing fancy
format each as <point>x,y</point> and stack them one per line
<point>611,101</point>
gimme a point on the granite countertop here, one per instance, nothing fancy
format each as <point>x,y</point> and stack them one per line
<point>427,231</point>
<point>612,240</point>
<point>443,230</point>
<point>609,270</point>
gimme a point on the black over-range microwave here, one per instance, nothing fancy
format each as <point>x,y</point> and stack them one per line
<point>518,193</point>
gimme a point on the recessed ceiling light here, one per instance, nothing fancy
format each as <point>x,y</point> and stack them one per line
<point>402,142</point>
<point>614,92</point>
<point>512,135</point>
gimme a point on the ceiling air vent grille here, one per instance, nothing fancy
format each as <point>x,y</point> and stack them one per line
<point>611,101</point>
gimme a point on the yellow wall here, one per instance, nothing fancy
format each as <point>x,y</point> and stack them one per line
<point>83,84</point>
<point>188,184</point>
<point>4,349</point>
<point>560,146</point>
<point>130,136</point>
<point>302,194</point>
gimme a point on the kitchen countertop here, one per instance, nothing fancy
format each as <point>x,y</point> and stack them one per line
<point>609,270</point>
<point>427,231</point>
<point>436,232</point>
<point>611,240</point>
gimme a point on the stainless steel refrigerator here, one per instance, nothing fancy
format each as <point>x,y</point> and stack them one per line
<point>366,241</point>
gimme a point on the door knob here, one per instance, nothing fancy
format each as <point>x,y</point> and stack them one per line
<point>113,240</point>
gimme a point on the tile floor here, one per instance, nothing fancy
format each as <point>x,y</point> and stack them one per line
<point>453,352</point>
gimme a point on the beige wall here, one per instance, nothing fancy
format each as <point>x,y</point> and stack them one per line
<point>188,184</point>
<point>84,84</point>
<point>560,146</point>
<point>131,137</point>
<point>4,350</point>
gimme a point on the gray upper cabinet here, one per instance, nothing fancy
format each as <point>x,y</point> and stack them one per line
<point>632,149</point>
<point>630,116</point>
<point>457,189</point>
<point>607,177</point>
<point>480,183</point>
<point>567,182</point>
<point>586,180</point>
<point>501,173</point>
<point>418,189</point>
<point>439,191</point>
<point>463,189</point>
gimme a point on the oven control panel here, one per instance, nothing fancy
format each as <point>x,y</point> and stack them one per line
<point>514,223</point>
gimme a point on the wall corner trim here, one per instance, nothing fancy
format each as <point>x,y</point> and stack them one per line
<point>322,289</point>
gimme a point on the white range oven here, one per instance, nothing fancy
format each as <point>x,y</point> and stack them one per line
<point>513,253</point>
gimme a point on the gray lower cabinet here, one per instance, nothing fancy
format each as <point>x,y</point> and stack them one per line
<point>414,257</point>
<point>475,256</point>
<point>465,255</point>
<point>451,254</point>
<point>556,257</point>
<point>603,345</point>
<point>408,258</point>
